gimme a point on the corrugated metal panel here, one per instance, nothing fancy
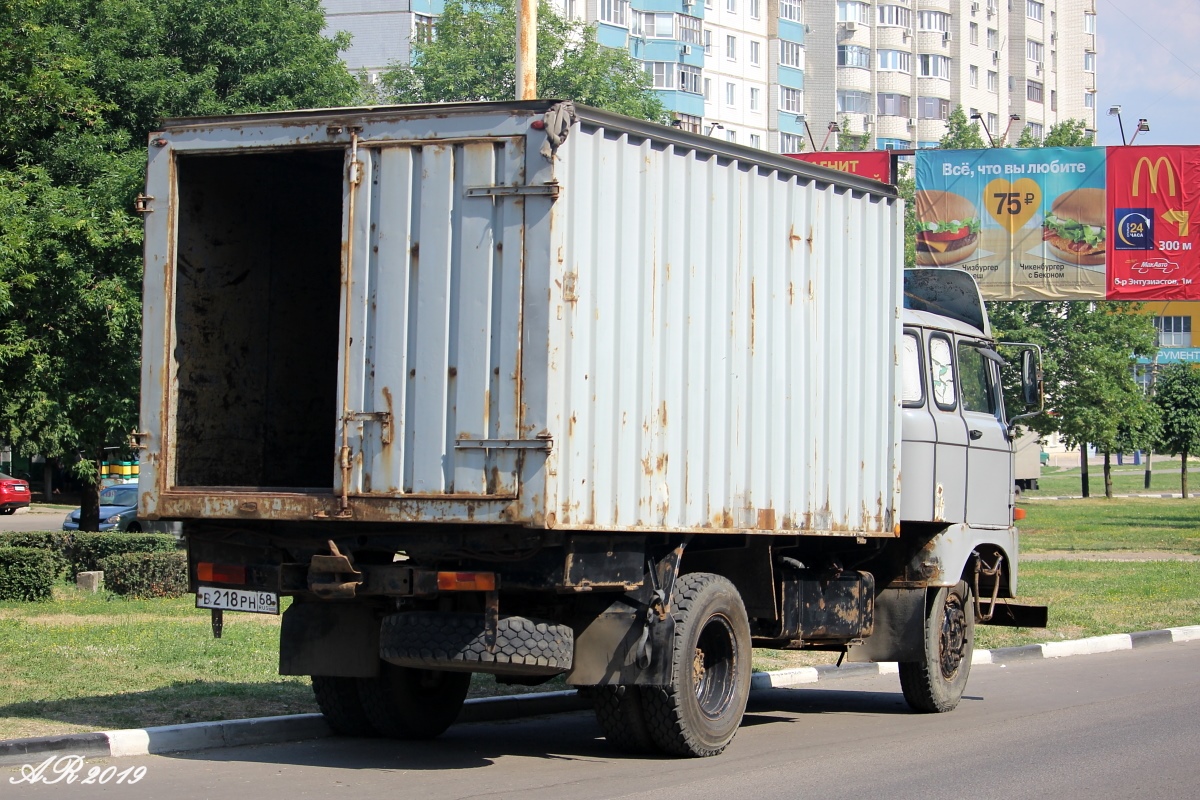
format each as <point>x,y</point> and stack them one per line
<point>725,358</point>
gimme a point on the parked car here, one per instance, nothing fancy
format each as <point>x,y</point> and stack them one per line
<point>14,494</point>
<point>118,510</point>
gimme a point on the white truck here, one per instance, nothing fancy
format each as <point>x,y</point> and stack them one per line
<point>534,390</point>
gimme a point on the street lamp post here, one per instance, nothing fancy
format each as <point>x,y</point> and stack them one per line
<point>979,117</point>
<point>1115,111</point>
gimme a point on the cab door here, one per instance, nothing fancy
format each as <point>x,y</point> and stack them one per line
<point>989,450</point>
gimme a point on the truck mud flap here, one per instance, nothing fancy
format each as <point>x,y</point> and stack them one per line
<point>459,642</point>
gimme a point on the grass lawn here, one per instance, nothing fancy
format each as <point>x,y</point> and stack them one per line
<point>92,662</point>
<point>1127,479</point>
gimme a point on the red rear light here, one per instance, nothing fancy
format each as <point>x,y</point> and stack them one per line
<point>220,573</point>
<point>466,581</point>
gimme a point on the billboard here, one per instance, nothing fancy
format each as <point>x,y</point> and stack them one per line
<point>874,164</point>
<point>1029,224</point>
<point>1154,216</point>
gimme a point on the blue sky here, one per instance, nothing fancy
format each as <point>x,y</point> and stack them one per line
<point>1149,62</point>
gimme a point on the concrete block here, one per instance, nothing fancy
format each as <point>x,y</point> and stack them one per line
<point>89,581</point>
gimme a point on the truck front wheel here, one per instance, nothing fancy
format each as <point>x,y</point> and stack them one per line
<point>935,684</point>
<point>700,711</point>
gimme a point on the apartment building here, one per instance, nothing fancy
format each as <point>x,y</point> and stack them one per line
<point>774,74</point>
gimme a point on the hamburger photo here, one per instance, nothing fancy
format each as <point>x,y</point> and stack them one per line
<point>947,228</point>
<point>1074,228</point>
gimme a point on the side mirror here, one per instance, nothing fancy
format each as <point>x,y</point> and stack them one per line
<point>1031,379</point>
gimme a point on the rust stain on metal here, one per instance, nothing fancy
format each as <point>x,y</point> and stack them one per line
<point>810,239</point>
<point>723,519</point>
<point>660,463</point>
<point>812,291</point>
<point>791,293</point>
<point>662,414</point>
<point>766,519</point>
<point>793,237</point>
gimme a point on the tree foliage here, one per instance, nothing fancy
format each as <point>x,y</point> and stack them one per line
<point>1068,133</point>
<point>82,83</point>
<point>1177,396</point>
<point>1088,353</point>
<point>471,57</point>
<point>961,133</point>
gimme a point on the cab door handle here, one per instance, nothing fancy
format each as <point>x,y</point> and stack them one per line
<point>976,434</point>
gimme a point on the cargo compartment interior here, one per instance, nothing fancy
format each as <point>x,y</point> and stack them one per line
<point>257,295</point>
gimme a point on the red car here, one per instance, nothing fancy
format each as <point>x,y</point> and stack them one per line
<point>14,494</point>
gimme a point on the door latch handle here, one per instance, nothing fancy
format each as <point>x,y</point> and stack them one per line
<point>976,435</point>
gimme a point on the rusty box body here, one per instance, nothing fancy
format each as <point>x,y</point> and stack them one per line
<point>412,314</point>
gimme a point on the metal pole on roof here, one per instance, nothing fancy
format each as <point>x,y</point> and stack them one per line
<point>527,20</point>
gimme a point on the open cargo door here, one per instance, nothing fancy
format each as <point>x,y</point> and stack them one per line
<point>430,383</point>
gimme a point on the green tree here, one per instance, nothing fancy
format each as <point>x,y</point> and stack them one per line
<point>1177,395</point>
<point>1088,353</point>
<point>471,57</point>
<point>1068,133</point>
<point>82,84</point>
<point>906,186</point>
<point>848,141</point>
<point>961,133</point>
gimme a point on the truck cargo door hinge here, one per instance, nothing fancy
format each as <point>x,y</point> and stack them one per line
<point>504,444</point>
<point>137,440</point>
<point>536,190</point>
<point>333,576</point>
<point>384,418</point>
<point>141,203</point>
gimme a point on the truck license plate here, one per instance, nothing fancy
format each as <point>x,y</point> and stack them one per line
<point>237,600</point>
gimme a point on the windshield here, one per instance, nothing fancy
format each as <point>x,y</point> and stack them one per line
<point>119,496</point>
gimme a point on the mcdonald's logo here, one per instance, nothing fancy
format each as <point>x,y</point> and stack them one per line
<point>1152,169</point>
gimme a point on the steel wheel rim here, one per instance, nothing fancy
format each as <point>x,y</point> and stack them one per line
<point>714,666</point>
<point>952,638</point>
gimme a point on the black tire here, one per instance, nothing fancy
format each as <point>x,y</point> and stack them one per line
<point>454,641</point>
<point>404,703</point>
<point>622,717</point>
<point>6,511</point>
<point>339,700</point>
<point>935,684</point>
<point>699,713</point>
<point>134,528</point>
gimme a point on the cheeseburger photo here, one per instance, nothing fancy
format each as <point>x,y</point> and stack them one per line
<point>947,228</point>
<point>1074,228</point>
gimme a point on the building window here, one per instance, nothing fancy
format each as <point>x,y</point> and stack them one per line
<point>973,76</point>
<point>1034,51</point>
<point>1089,99</point>
<point>423,28</point>
<point>731,48</point>
<point>790,143</point>
<point>1035,10</point>
<point>791,100</point>
<point>993,122</point>
<point>1054,100</point>
<point>754,96</point>
<point>1089,22</point>
<point>791,10</point>
<point>754,54</point>
<point>654,26</point>
<point>993,39</point>
<point>893,105</point>
<point>615,12</point>
<point>707,42</point>
<point>731,94</point>
<point>933,21</point>
<point>662,73</point>
<point>756,141</point>
<point>853,55</point>
<point>755,12</point>
<point>895,61</point>
<point>934,66</point>
<point>852,102</point>
<point>973,33</point>
<point>730,135</point>
<point>1174,331</point>
<point>791,54</point>
<point>1037,130</point>
<point>933,108</point>
<point>689,79</point>
<point>731,6</point>
<point>1033,92</point>
<point>853,11</point>
<point>1089,62</point>
<point>688,123</point>
<point>689,29</point>
<point>896,16</point>
<point>993,81</point>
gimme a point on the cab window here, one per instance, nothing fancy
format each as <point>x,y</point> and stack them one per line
<point>941,373</point>
<point>977,380</point>
<point>913,379</point>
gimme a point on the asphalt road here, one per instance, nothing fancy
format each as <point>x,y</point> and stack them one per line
<point>34,521</point>
<point>1119,725</point>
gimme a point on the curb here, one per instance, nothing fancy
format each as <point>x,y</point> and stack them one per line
<point>297,727</point>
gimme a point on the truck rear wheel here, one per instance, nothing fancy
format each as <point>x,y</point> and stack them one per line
<point>621,715</point>
<point>699,713</point>
<point>339,701</point>
<point>406,703</point>
<point>936,683</point>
